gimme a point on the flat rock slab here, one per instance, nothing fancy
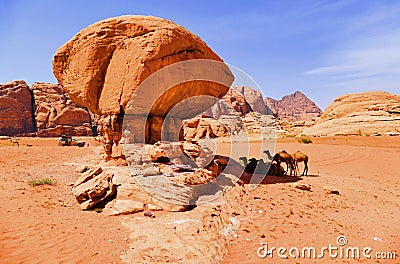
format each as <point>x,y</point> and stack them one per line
<point>128,206</point>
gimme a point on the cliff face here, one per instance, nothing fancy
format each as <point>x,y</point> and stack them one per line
<point>253,97</point>
<point>15,108</point>
<point>55,113</point>
<point>360,114</point>
<point>44,109</point>
<point>294,107</point>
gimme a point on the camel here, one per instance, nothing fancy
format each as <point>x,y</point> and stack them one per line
<point>14,141</point>
<point>251,166</point>
<point>299,156</point>
<point>244,161</point>
<point>283,156</point>
<point>275,170</point>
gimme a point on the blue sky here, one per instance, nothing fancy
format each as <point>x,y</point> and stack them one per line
<point>322,48</point>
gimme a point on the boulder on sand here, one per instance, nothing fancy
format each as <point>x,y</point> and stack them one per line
<point>103,65</point>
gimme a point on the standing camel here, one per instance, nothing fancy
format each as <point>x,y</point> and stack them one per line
<point>14,141</point>
<point>283,156</point>
<point>299,156</point>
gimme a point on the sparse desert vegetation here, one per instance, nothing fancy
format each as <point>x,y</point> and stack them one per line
<point>305,140</point>
<point>45,181</point>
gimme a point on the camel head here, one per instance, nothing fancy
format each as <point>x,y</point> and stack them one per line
<point>253,160</point>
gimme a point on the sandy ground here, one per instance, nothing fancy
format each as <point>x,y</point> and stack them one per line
<point>44,224</point>
<point>365,171</point>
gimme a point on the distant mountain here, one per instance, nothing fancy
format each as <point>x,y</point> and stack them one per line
<point>294,107</point>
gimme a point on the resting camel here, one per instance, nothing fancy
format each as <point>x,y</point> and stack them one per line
<point>244,161</point>
<point>283,156</point>
<point>251,166</point>
<point>299,156</point>
<point>14,141</point>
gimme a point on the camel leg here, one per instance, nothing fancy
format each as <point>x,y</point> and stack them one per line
<point>305,168</point>
<point>279,168</point>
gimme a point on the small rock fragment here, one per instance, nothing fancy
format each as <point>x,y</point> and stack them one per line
<point>149,214</point>
<point>304,187</point>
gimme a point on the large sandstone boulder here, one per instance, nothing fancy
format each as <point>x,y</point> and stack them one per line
<point>56,114</point>
<point>15,108</point>
<point>103,65</point>
<point>360,114</point>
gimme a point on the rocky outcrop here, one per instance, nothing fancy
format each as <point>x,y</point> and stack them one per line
<point>254,98</point>
<point>256,123</point>
<point>360,114</point>
<point>294,107</point>
<point>56,114</point>
<point>241,109</point>
<point>232,104</point>
<point>198,128</point>
<point>103,66</point>
<point>44,110</point>
<point>238,101</point>
<point>15,108</point>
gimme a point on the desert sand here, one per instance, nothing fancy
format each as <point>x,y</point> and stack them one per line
<point>44,224</point>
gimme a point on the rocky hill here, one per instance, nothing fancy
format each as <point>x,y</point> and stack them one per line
<point>56,114</point>
<point>253,97</point>
<point>360,114</point>
<point>294,107</point>
<point>44,110</point>
<point>16,108</point>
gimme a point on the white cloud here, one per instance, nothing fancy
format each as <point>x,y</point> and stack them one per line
<point>370,47</point>
<point>374,55</point>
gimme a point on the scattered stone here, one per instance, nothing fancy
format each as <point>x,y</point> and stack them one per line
<point>151,171</point>
<point>128,206</point>
<point>82,168</point>
<point>87,175</point>
<point>149,214</point>
<point>331,190</point>
<point>95,190</point>
<point>152,207</point>
<point>304,187</point>
<point>111,211</point>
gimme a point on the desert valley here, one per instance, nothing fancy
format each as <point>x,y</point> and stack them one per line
<point>170,176</point>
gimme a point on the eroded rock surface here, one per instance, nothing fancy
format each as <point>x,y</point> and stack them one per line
<point>15,108</point>
<point>365,113</point>
<point>103,65</point>
<point>56,114</point>
<point>294,107</point>
<point>93,187</point>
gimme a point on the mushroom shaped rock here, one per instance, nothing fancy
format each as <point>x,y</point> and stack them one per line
<point>104,67</point>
